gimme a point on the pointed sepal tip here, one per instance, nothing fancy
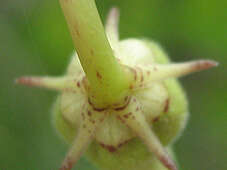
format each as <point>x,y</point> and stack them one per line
<point>29,81</point>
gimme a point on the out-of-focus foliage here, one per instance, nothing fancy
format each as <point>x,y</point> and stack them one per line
<point>34,40</point>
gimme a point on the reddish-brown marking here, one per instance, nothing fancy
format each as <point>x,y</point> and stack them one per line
<point>148,73</point>
<point>137,108</point>
<point>85,83</point>
<point>168,162</point>
<point>66,1</point>
<point>77,32</point>
<point>203,65</point>
<point>134,72</point>
<point>92,52</point>
<point>78,84</point>
<point>123,107</point>
<point>135,75</point>
<point>166,108</point>
<point>89,113</point>
<point>110,148</point>
<point>156,119</point>
<point>119,118</point>
<point>131,87</point>
<point>142,78</point>
<point>127,115</point>
<point>141,73</point>
<point>126,98</point>
<point>68,166</point>
<point>29,81</point>
<point>134,100</point>
<point>101,120</point>
<point>98,75</point>
<point>123,143</point>
<point>96,109</point>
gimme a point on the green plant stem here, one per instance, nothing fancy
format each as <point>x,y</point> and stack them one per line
<point>107,79</point>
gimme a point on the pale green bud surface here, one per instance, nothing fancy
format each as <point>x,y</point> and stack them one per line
<point>124,113</point>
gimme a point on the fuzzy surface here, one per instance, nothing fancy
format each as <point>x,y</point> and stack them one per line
<point>134,155</point>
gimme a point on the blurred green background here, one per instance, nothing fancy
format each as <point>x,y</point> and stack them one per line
<point>34,40</point>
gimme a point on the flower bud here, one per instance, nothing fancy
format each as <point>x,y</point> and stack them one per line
<point>132,133</point>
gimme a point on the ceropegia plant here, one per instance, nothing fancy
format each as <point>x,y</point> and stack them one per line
<point>119,100</point>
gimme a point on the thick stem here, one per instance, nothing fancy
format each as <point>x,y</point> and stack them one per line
<point>107,79</point>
